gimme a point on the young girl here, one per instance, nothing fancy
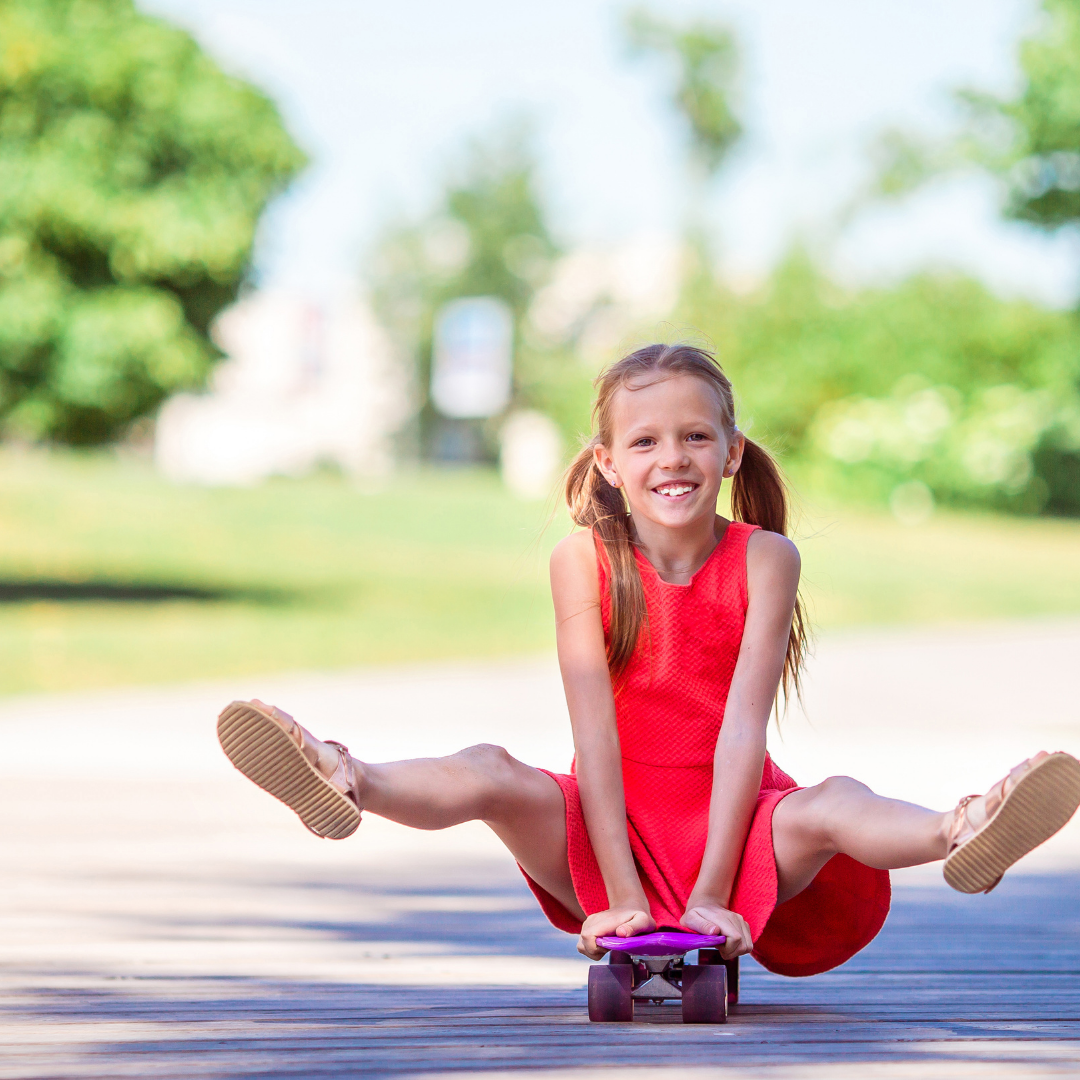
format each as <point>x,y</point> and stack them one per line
<point>676,628</point>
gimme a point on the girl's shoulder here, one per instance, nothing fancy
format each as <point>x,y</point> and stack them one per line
<point>772,555</point>
<point>578,547</point>
<point>770,545</point>
<point>573,566</point>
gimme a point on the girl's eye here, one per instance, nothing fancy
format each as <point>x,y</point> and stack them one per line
<point>697,437</point>
<point>644,442</point>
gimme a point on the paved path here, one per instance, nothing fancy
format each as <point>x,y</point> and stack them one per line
<point>159,917</point>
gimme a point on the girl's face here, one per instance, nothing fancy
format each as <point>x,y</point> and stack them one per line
<point>669,449</point>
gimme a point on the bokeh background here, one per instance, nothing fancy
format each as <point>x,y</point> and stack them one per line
<point>235,237</point>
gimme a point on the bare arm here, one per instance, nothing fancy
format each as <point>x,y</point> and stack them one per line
<point>583,661</point>
<point>772,570</point>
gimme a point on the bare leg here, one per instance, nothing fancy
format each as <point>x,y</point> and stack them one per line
<point>840,815</point>
<point>523,806</point>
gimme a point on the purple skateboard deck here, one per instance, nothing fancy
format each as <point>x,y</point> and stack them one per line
<point>665,943</point>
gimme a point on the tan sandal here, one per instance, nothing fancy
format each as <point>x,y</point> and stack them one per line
<point>269,748</point>
<point>1018,819</point>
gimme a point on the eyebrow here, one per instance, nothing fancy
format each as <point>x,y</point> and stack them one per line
<point>642,429</point>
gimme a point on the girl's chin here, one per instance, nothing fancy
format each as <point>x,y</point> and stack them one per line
<point>675,512</point>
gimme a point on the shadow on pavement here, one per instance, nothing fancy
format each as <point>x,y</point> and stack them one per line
<point>110,590</point>
<point>951,980</point>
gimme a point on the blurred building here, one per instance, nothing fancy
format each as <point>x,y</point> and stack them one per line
<point>300,387</point>
<point>601,297</point>
<point>530,454</point>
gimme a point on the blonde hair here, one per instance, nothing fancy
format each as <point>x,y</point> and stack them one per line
<point>759,497</point>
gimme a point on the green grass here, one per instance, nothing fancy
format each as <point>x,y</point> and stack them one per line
<point>320,574</point>
<point>861,567</point>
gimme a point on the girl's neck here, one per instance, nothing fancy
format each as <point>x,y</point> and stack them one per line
<point>677,554</point>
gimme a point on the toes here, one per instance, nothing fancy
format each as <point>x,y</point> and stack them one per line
<point>272,710</point>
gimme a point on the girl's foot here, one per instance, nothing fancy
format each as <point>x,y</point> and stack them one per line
<point>316,779</point>
<point>990,832</point>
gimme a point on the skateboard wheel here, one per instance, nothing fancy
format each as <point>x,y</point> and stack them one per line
<point>712,956</point>
<point>619,958</point>
<point>610,986</point>
<point>732,981</point>
<point>704,994</point>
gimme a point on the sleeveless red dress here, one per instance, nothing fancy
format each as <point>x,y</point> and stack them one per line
<point>669,710</point>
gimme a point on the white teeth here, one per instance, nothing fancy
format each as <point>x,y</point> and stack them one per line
<point>676,489</point>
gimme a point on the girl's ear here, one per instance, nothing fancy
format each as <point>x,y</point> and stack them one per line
<point>735,454</point>
<point>606,466</point>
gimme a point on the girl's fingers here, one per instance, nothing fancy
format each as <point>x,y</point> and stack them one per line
<point>638,924</point>
<point>721,921</point>
<point>738,942</point>
<point>694,920</point>
<point>587,947</point>
<point>611,922</point>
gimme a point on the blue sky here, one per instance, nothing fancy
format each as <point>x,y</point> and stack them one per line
<point>383,94</point>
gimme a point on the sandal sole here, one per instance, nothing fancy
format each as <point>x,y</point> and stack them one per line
<point>265,754</point>
<point>1040,804</point>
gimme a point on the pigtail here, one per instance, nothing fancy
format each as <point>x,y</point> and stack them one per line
<point>759,497</point>
<point>758,494</point>
<point>596,505</point>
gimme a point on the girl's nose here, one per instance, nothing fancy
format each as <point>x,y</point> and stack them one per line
<point>673,456</point>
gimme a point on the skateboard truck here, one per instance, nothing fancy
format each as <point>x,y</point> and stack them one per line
<point>664,981</point>
<point>652,967</point>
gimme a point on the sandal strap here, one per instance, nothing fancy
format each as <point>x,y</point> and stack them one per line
<point>960,815</point>
<point>299,734</point>
<point>960,819</point>
<point>348,772</point>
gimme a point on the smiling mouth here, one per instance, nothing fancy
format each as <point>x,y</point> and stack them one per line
<point>674,490</point>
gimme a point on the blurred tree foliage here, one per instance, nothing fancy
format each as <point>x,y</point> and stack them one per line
<point>132,175</point>
<point>1041,162</point>
<point>1040,128</point>
<point>936,384</point>
<point>1032,142</point>
<point>486,237</point>
<point>935,381</point>
<point>707,69</point>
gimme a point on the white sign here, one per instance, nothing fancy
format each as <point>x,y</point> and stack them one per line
<point>530,454</point>
<point>472,366</point>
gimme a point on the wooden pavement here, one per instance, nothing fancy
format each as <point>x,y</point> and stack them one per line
<point>134,950</point>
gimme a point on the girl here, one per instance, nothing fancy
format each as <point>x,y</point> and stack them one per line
<point>676,629</point>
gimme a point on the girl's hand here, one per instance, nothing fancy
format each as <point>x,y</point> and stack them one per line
<point>625,920</point>
<point>710,918</point>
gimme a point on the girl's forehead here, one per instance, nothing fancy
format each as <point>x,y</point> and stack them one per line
<point>637,398</point>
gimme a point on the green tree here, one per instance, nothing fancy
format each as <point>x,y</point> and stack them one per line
<point>1006,373</point>
<point>705,58</point>
<point>133,172</point>
<point>703,62</point>
<point>1033,140</point>
<point>1042,157</point>
<point>934,380</point>
<point>487,236</point>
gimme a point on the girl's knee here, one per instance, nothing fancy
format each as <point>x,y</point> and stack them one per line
<point>840,787</point>
<point>507,786</point>
<point>488,758</point>
<point>835,798</point>
<point>812,813</point>
<point>500,770</point>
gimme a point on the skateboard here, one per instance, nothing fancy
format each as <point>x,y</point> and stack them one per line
<point>652,967</point>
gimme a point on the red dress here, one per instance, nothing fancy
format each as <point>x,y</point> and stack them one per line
<point>669,710</point>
